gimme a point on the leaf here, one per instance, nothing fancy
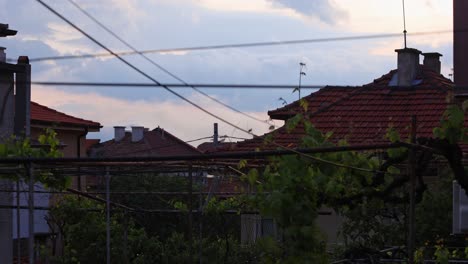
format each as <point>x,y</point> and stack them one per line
<point>292,123</point>
<point>392,135</point>
<point>242,163</point>
<point>304,104</point>
<point>252,176</point>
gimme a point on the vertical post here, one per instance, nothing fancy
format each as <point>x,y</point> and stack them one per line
<point>412,175</point>
<point>125,238</point>
<point>23,99</point>
<point>30,174</point>
<point>18,222</point>
<point>215,133</point>
<point>190,209</point>
<point>108,248</point>
<point>200,220</point>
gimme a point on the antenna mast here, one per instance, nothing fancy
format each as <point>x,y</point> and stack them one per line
<point>404,23</point>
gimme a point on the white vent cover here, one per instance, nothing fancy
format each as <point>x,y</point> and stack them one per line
<point>460,210</point>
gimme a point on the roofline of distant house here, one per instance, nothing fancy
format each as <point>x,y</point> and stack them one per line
<point>65,125</point>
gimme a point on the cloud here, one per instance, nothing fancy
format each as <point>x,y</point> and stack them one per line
<point>180,119</point>
<point>325,10</point>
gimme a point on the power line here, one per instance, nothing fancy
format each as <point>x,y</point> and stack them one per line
<point>178,85</point>
<point>139,70</point>
<point>108,30</point>
<point>190,102</point>
<point>245,45</point>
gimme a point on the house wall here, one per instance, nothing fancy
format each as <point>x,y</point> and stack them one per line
<point>6,129</point>
<point>68,138</point>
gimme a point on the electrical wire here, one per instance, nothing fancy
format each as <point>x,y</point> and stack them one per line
<point>189,101</point>
<point>108,30</point>
<point>176,85</point>
<point>245,45</point>
<point>139,70</point>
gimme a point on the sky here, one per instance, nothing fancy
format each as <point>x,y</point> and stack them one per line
<point>161,24</point>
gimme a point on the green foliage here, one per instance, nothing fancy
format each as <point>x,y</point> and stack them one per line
<point>451,125</point>
<point>49,148</point>
<point>436,205</point>
<point>83,227</point>
<point>291,190</point>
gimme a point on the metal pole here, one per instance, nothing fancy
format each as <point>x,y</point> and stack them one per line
<point>108,248</point>
<point>215,134</point>
<point>200,220</point>
<point>412,175</point>
<point>31,212</point>
<point>18,222</point>
<point>190,208</point>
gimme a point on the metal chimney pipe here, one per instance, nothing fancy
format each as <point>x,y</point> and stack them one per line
<point>215,133</point>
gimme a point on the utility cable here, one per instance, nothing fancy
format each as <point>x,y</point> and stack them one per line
<point>245,45</point>
<point>108,30</point>
<point>192,103</point>
<point>139,70</point>
<point>177,85</point>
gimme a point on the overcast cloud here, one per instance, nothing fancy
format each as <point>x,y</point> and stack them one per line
<point>326,10</point>
<point>184,23</point>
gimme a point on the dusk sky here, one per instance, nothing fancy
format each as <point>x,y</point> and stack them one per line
<point>158,24</point>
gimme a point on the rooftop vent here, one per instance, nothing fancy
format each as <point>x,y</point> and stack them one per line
<point>137,133</point>
<point>432,61</point>
<point>408,63</point>
<point>119,133</point>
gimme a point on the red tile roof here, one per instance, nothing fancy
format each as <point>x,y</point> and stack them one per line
<point>42,114</point>
<point>363,114</point>
<point>210,147</point>
<point>156,142</point>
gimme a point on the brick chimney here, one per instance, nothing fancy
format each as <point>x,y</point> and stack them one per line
<point>460,43</point>
<point>432,61</point>
<point>119,133</point>
<point>137,133</point>
<point>408,63</point>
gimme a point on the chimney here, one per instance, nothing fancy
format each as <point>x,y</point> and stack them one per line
<point>2,54</point>
<point>432,61</point>
<point>137,133</point>
<point>460,42</point>
<point>215,134</point>
<point>408,63</point>
<point>119,133</point>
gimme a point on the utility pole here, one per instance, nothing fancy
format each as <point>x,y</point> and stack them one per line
<point>412,176</point>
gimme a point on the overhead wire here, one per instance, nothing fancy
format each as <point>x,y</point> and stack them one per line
<point>108,30</point>
<point>177,85</point>
<point>139,70</point>
<point>189,101</point>
<point>245,45</point>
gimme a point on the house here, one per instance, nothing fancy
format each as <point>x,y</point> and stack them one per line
<point>140,142</point>
<point>362,114</point>
<point>71,133</point>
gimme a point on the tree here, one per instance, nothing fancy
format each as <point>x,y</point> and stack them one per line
<point>368,189</point>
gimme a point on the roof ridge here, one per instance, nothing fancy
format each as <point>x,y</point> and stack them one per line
<point>62,113</point>
<point>176,138</point>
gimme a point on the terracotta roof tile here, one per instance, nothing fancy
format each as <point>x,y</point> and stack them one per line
<point>44,114</point>
<point>363,114</point>
<point>155,143</point>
